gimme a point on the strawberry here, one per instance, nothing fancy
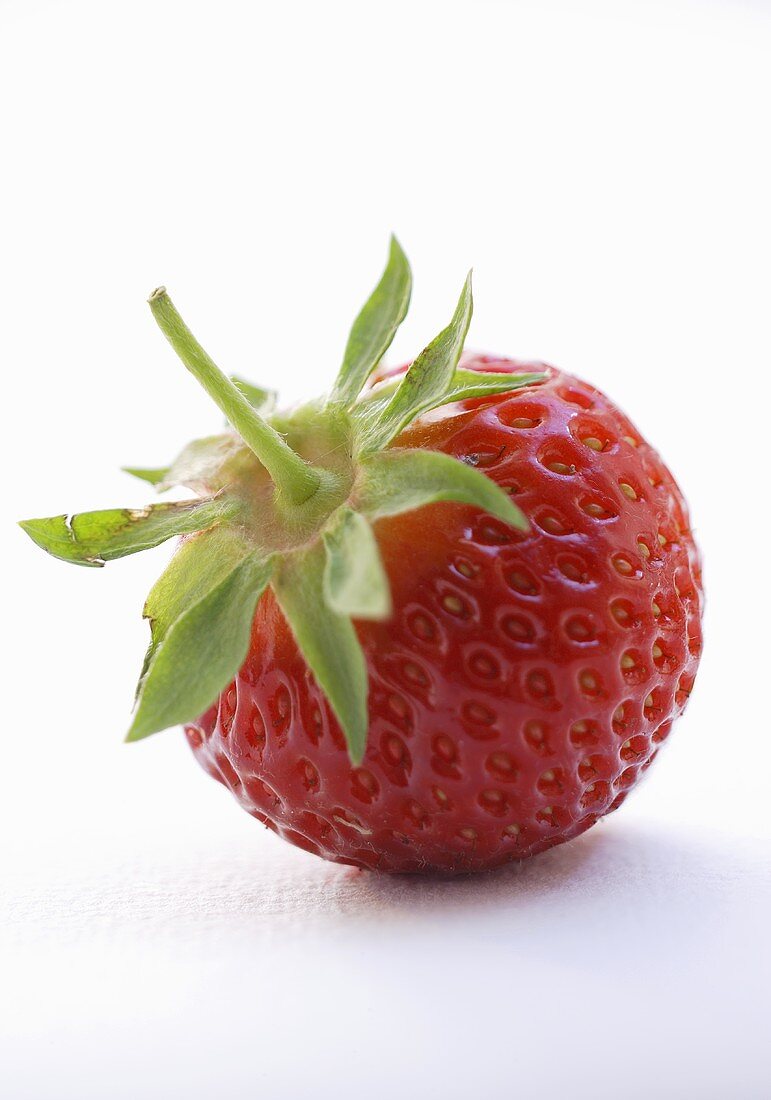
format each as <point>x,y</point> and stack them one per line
<point>442,620</point>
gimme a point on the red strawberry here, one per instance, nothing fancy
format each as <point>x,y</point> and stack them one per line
<point>509,679</point>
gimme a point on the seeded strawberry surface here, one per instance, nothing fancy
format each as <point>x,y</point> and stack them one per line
<point>525,680</point>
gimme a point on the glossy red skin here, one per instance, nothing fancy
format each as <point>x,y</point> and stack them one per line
<point>514,696</point>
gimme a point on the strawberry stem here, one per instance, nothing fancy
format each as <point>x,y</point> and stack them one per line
<point>293,477</point>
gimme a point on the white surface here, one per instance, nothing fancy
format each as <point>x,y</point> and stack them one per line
<point>626,964</point>
<point>605,168</point>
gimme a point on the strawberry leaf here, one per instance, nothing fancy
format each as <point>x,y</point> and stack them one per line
<point>401,480</point>
<point>426,382</point>
<point>375,327</point>
<point>92,538</point>
<point>328,643</point>
<point>355,583</point>
<point>288,500</point>
<point>202,649</point>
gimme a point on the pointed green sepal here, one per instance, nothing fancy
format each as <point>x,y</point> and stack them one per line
<point>205,465</point>
<point>208,465</point>
<point>262,401</point>
<point>200,650</point>
<point>327,641</point>
<point>401,480</point>
<point>199,565</point>
<point>92,538</point>
<point>153,475</point>
<point>426,382</point>
<point>375,327</point>
<point>475,383</point>
<point>465,384</point>
<point>355,583</point>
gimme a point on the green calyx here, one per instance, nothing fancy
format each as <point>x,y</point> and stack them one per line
<point>288,501</point>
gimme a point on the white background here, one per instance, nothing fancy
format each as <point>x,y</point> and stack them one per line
<point>605,169</point>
